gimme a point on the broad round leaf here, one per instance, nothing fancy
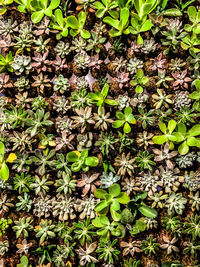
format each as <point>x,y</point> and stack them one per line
<point>37,16</point>
<point>114,190</point>
<point>92,161</point>
<point>123,198</point>
<point>127,128</point>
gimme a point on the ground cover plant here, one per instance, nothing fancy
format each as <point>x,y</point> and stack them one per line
<point>99,133</point>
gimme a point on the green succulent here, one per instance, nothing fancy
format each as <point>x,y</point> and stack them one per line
<point>111,200</point>
<point>81,160</point>
<point>77,25</point>
<point>6,62</point>
<point>124,120</point>
<point>45,230</point>
<point>41,8</point>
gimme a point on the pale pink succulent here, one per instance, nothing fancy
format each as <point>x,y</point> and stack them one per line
<point>88,183</point>
<point>181,80</point>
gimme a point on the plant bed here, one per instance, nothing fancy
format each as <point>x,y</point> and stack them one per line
<point>99,133</point>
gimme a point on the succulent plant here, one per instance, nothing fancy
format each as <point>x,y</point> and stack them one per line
<point>134,64</point>
<point>66,184</point>
<point>21,64</point>
<point>107,179</point>
<point>84,141</point>
<point>175,203</point>
<point>88,183</point>
<point>45,230</point>
<point>185,161</point>
<point>62,49</point>
<point>82,60</point>
<point>63,208</point>
<point>42,206</point>
<point>86,207</point>
<point>61,84</point>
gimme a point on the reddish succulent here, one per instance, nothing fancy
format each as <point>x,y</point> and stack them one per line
<point>158,63</point>
<point>181,80</point>
<point>88,183</point>
<point>41,62</point>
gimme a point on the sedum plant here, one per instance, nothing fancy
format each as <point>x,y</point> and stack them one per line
<point>45,230</point>
<point>81,160</point>
<point>120,25</point>
<point>111,201</point>
<point>139,21</point>
<point>168,134</point>
<point>105,6</point>
<point>99,98</point>
<point>77,25</point>
<point>41,8</point>
<point>124,119</point>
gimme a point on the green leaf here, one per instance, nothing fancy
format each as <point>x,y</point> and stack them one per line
<point>183,148</point>
<point>124,16</point>
<point>4,172</point>
<point>72,156</point>
<point>104,220</point>
<point>159,139</point>
<point>146,26</point>
<point>197,83</point>
<point>112,22</point>
<point>163,127</point>
<point>114,190</point>
<point>179,137</point>
<point>54,4</point>
<point>139,40</point>
<point>192,13</point>
<point>127,128</point>
<point>92,161</point>
<point>182,128</point>
<point>127,111</point>
<point>195,130</point>
<point>174,12</point>
<point>73,22</point>
<point>115,205</point>
<point>117,124</point>
<point>2,148</point>
<point>24,262</point>
<point>85,34</point>
<point>100,193</point>
<point>139,89</point>
<point>139,226</point>
<point>148,211</point>
<point>82,18</point>
<point>171,125</point>
<point>100,13</point>
<point>37,16</point>
<point>123,198</point>
<point>115,215</point>
<point>191,141</point>
<point>141,196</point>
<point>105,90</point>
<point>120,115</point>
<point>48,12</point>
<point>100,206</point>
<point>76,166</point>
<point>111,102</point>
<point>59,17</point>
